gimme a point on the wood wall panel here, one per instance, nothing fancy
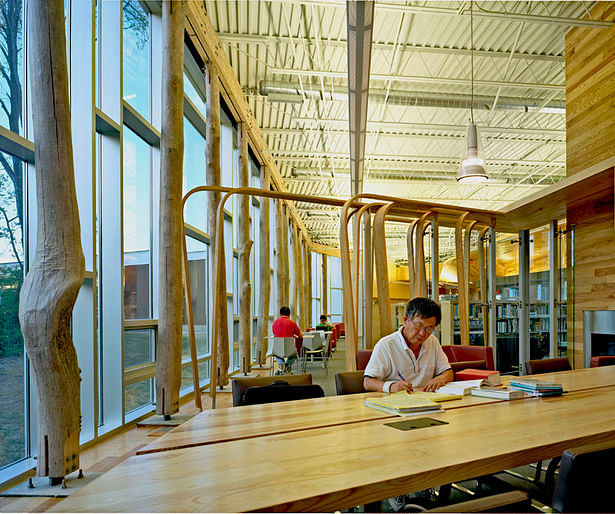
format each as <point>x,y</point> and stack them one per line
<point>590,92</point>
<point>594,267</point>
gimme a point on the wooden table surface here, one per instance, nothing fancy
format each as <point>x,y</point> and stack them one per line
<point>214,426</point>
<point>577,379</point>
<point>325,469</point>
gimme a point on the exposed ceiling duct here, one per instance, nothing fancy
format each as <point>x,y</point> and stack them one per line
<point>279,91</point>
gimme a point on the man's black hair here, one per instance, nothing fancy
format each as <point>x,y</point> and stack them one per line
<point>285,311</point>
<point>322,316</point>
<point>423,308</point>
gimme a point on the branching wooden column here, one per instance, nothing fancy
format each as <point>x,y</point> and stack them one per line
<point>220,355</point>
<point>169,348</point>
<point>435,258</point>
<point>368,280</point>
<point>482,264</point>
<point>411,264</point>
<point>287,255</point>
<point>244,248</point>
<point>299,275</point>
<point>461,281</point>
<point>382,270</point>
<point>281,263</point>
<point>292,250</point>
<point>420,273</point>
<point>324,299</point>
<point>51,286</point>
<point>262,326</point>
<point>308,285</point>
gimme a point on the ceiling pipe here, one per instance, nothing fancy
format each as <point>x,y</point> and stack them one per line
<point>284,91</point>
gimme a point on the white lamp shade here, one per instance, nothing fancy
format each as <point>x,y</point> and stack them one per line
<point>473,167</point>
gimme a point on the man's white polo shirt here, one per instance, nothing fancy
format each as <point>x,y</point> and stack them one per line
<point>391,355</point>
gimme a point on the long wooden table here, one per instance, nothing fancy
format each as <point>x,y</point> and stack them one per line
<point>221,425</point>
<point>214,426</point>
<point>324,469</point>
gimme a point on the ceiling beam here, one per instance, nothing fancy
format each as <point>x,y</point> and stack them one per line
<point>252,39</point>
<point>460,81</point>
<point>360,19</point>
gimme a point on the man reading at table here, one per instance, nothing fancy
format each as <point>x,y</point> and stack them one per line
<point>286,327</point>
<point>411,358</point>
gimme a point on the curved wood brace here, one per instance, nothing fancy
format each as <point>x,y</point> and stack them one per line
<point>411,271</point>
<point>420,273</point>
<point>382,270</point>
<point>461,280</point>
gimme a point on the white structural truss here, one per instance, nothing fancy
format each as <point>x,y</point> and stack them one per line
<point>291,59</point>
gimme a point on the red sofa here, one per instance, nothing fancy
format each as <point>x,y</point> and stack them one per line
<point>462,357</point>
<point>603,360</point>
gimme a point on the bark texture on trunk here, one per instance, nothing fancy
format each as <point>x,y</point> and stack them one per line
<point>244,244</point>
<point>280,261</point>
<point>169,348</point>
<point>265,276</point>
<point>299,276</point>
<point>292,252</point>
<point>287,254</point>
<point>51,286</point>
<point>213,199</point>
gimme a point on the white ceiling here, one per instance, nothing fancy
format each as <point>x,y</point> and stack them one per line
<point>290,59</point>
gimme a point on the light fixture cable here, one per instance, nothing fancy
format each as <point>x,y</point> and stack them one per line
<point>471,64</point>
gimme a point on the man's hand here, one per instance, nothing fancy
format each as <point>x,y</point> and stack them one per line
<point>402,385</point>
<point>434,384</point>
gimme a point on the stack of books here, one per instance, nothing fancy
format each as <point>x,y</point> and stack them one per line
<point>500,393</point>
<point>533,387</point>
<point>488,376</point>
<point>404,404</point>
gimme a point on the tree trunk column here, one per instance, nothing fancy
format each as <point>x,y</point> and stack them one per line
<point>265,275</point>
<point>169,349</point>
<point>244,248</point>
<point>280,259</point>
<point>212,140</point>
<point>51,287</point>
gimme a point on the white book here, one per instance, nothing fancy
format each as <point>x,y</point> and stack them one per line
<point>460,387</point>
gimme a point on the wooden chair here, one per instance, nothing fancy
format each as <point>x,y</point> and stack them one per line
<point>537,366</point>
<point>240,384</point>
<point>280,391</point>
<point>349,382</point>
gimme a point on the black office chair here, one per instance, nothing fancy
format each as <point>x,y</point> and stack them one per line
<point>280,391</point>
<point>241,383</point>
<point>349,382</point>
<point>584,482</point>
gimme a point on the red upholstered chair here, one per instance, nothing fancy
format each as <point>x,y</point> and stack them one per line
<point>363,358</point>
<point>602,360</point>
<point>469,355</point>
<point>341,330</point>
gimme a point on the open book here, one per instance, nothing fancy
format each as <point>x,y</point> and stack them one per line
<point>460,387</point>
<point>403,403</point>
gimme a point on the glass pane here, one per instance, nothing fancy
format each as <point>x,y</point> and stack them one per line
<point>138,347</point>
<point>139,394</point>
<point>12,394</point>
<point>11,63</point>
<point>539,293</point>
<point>194,96</point>
<point>195,211</point>
<point>136,57</point>
<point>136,227</point>
<point>198,265</point>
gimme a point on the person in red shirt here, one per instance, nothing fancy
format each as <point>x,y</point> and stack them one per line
<point>286,327</point>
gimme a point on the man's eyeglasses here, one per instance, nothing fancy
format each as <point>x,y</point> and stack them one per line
<point>422,328</point>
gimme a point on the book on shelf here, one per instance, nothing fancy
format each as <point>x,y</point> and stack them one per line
<point>403,403</point>
<point>501,393</point>
<point>460,387</point>
<point>491,377</point>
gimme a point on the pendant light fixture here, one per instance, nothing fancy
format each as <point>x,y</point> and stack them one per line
<point>472,167</point>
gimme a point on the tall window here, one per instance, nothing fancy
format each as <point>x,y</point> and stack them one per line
<point>136,57</point>
<point>11,64</point>
<point>12,394</point>
<point>137,227</point>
